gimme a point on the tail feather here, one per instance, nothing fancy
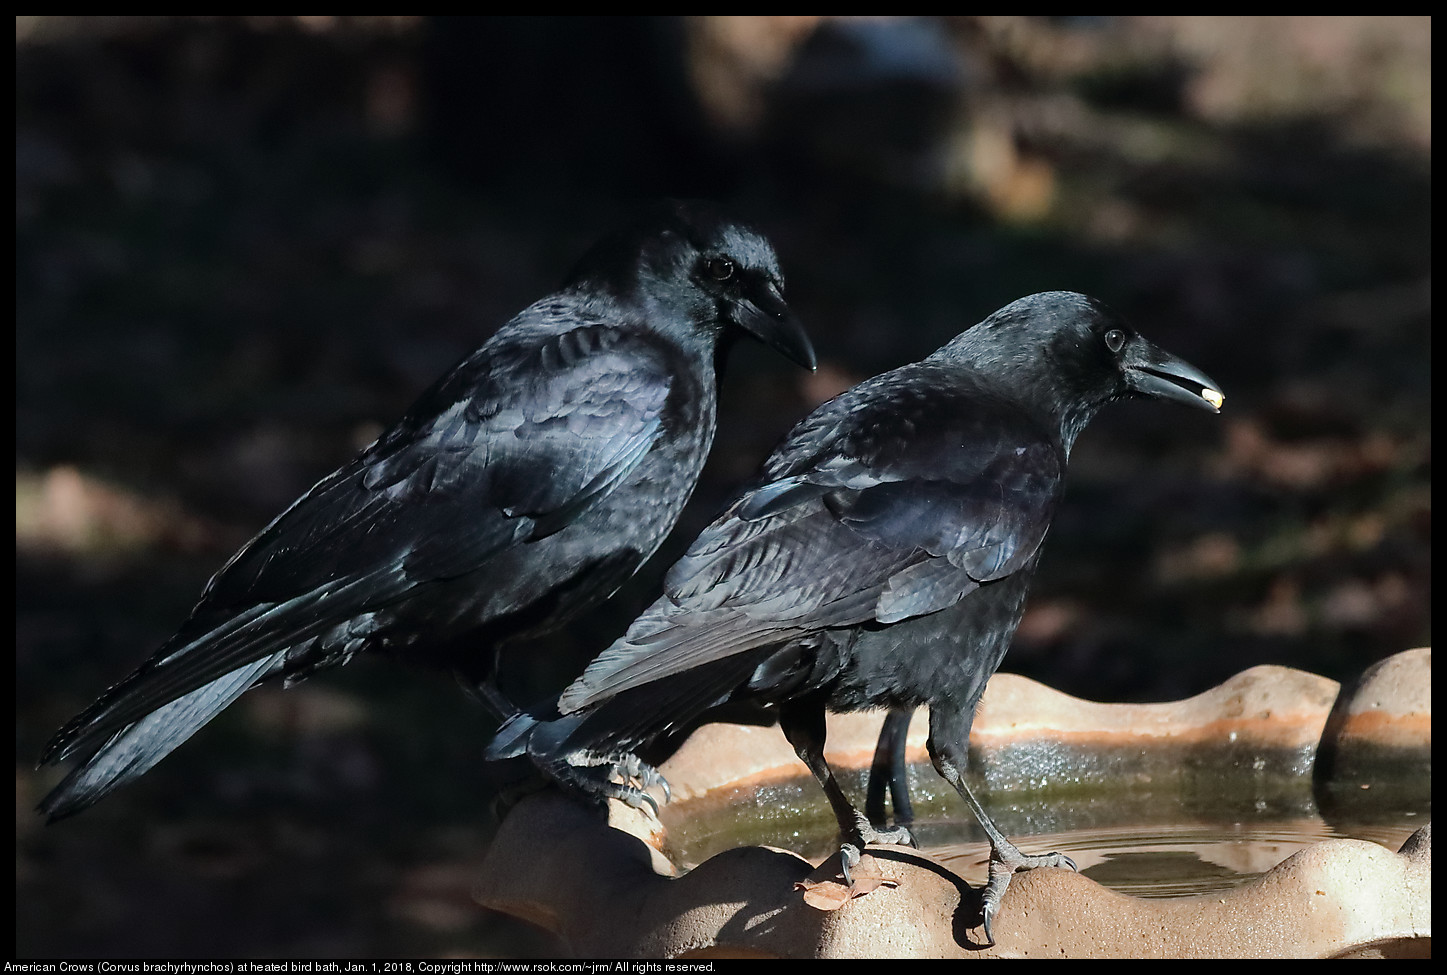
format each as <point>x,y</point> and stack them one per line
<point>187,664</point>
<point>136,748</point>
<point>512,738</point>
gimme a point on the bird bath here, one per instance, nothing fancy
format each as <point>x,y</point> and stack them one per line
<point>1262,818</point>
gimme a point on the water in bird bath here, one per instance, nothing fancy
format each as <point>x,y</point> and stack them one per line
<point>1181,859</point>
<point>1130,838</point>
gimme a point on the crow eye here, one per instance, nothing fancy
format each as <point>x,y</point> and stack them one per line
<point>721,268</point>
<point>1114,339</point>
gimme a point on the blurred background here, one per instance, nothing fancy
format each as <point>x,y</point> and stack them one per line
<point>244,245</point>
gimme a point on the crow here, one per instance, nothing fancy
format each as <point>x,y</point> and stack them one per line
<point>526,485</point>
<point>880,560</point>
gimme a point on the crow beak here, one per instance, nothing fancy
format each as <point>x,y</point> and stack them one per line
<point>1152,371</point>
<point>764,314</point>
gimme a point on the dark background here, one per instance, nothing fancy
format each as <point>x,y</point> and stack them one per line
<point>244,245</point>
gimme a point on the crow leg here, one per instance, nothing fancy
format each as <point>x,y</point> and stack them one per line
<point>889,769</point>
<point>947,749</point>
<point>803,725</point>
<point>487,691</point>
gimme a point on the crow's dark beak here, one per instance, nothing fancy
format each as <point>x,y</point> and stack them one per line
<point>765,315</point>
<point>1152,371</point>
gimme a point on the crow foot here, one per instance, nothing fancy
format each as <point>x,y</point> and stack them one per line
<point>1005,859</point>
<point>852,849</point>
<point>622,777</point>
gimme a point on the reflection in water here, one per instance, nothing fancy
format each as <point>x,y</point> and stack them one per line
<point>1180,860</point>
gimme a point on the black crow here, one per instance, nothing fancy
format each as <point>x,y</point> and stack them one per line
<point>880,560</point>
<point>526,485</point>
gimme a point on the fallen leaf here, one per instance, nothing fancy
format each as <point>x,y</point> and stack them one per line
<point>832,893</point>
<point>824,895</point>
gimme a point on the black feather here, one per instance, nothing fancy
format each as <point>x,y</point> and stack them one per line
<point>525,486</point>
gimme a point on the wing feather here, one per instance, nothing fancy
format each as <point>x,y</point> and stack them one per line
<point>904,510</point>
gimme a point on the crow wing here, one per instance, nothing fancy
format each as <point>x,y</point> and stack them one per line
<point>895,500</point>
<point>511,446</point>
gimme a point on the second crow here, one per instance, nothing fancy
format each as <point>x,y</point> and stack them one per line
<point>880,560</point>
